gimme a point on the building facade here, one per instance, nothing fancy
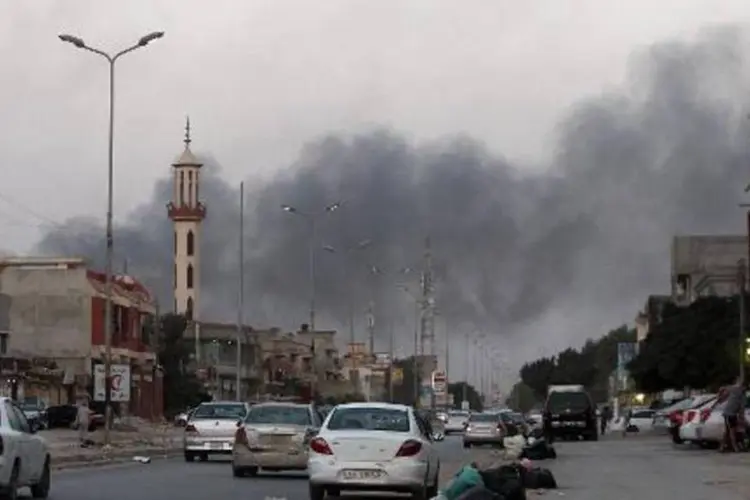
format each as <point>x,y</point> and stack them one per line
<point>53,316</point>
<point>706,265</point>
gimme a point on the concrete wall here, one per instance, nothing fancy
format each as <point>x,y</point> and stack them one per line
<point>49,312</point>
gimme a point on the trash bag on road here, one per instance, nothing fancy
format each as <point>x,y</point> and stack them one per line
<point>480,493</point>
<point>539,449</point>
<point>538,479</point>
<point>466,478</point>
<point>514,446</point>
<point>506,481</point>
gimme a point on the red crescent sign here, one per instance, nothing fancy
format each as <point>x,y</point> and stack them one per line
<point>116,380</point>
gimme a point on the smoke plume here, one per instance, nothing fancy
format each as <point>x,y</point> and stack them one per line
<point>537,259</point>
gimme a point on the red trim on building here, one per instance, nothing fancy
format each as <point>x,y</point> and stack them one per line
<point>186,213</point>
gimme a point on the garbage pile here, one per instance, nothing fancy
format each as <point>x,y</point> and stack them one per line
<point>508,481</point>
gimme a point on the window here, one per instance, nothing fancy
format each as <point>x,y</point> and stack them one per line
<point>281,414</point>
<point>370,418</point>
<point>182,189</point>
<point>16,419</point>
<point>175,242</point>
<point>485,417</point>
<point>175,275</point>
<point>189,309</point>
<point>219,412</point>
<point>190,276</point>
<point>190,188</point>
<point>563,400</point>
<point>190,243</point>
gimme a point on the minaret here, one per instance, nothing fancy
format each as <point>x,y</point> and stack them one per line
<point>187,213</point>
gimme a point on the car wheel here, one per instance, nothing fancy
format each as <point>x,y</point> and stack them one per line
<point>334,492</point>
<point>467,445</point>
<point>10,492</point>
<point>203,457</point>
<point>189,456</point>
<point>41,489</point>
<point>317,492</point>
<point>676,439</point>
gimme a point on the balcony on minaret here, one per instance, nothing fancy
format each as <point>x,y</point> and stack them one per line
<point>185,212</point>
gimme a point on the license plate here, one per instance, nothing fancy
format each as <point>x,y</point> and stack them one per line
<point>275,440</point>
<point>353,475</point>
<point>217,446</point>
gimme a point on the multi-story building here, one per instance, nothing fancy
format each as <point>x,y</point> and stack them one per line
<point>706,265</point>
<point>52,313</point>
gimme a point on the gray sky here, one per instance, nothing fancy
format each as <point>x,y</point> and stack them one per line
<point>261,78</point>
<point>551,87</point>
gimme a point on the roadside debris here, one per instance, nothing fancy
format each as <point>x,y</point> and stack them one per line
<point>142,459</point>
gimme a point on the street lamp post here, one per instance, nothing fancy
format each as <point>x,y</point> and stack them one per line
<point>350,298</point>
<point>312,218</point>
<point>111,59</point>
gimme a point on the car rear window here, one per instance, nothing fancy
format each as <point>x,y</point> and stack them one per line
<point>220,412</point>
<point>370,419</point>
<point>484,417</point>
<point>283,415</point>
<point>458,414</point>
<point>560,401</point>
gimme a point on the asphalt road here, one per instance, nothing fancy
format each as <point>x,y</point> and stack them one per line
<point>615,468</point>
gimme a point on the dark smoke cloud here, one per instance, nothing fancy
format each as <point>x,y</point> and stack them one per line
<point>665,154</point>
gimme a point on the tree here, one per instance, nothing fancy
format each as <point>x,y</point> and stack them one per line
<point>522,398</point>
<point>181,387</point>
<point>590,366</point>
<point>456,389</point>
<point>695,346</point>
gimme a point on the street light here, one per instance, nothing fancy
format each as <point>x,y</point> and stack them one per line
<point>350,297</point>
<point>111,59</point>
<point>312,218</point>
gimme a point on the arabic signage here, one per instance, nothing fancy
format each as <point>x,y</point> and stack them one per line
<point>120,388</point>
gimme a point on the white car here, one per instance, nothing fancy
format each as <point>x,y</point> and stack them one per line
<point>457,421</point>
<point>712,430</point>
<point>274,436</point>
<point>373,447</point>
<point>693,420</point>
<point>24,455</point>
<point>211,429</point>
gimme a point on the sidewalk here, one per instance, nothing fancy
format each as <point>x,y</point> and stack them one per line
<point>146,440</point>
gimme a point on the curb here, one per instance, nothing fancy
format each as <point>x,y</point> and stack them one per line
<point>118,457</point>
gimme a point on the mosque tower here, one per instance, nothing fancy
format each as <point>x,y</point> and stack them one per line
<point>187,213</point>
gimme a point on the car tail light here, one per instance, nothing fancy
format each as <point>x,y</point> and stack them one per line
<point>190,428</point>
<point>676,416</point>
<point>409,448</point>
<point>320,446</point>
<point>705,413</point>
<point>240,437</point>
<point>689,416</point>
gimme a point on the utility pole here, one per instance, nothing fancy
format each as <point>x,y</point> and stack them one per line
<point>741,285</point>
<point>240,295</point>
<point>390,363</point>
<point>465,391</point>
<point>155,339</point>
<point>427,326</point>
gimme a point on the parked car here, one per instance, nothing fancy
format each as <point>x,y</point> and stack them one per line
<point>673,415</point>
<point>485,428</point>
<point>457,421</point>
<point>693,420</point>
<point>274,436</point>
<point>570,413</point>
<point>711,430</point>
<point>25,454</point>
<point>211,429</point>
<point>35,412</point>
<point>641,419</point>
<point>373,447</point>
<point>66,416</point>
